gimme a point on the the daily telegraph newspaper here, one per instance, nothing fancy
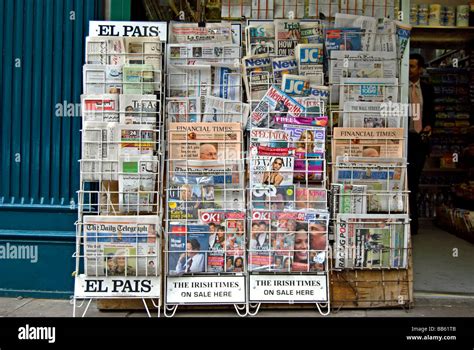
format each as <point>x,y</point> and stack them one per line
<point>283,65</point>
<point>100,108</point>
<point>206,149</point>
<point>365,142</point>
<point>137,184</point>
<point>186,200</point>
<point>99,159</point>
<point>271,171</point>
<point>215,243</point>
<point>288,241</point>
<point>220,110</point>
<point>257,72</point>
<point>384,179</point>
<point>188,33</point>
<point>121,246</point>
<point>371,241</point>
<point>287,35</point>
<point>310,59</point>
<point>260,38</point>
<point>368,90</point>
<point>360,64</point>
<point>368,25</point>
<point>138,109</point>
<point>184,109</point>
<point>369,115</point>
<point>199,54</point>
<point>102,79</point>
<point>275,102</point>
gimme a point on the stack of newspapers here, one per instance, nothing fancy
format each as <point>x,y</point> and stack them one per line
<point>368,197</point>
<point>121,155</point>
<point>205,192</point>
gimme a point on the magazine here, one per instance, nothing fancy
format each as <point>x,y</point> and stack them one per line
<point>283,65</point>
<point>368,90</point>
<point>368,115</point>
<point>187,33</point>
<point>139,79</point>
<point>219,110</point>
<point>275,102</point>
<point>101,79</point>
<point>365,142</point>
<point>137,184</point>
<point>287,35</point>
<point>257,72</point>
<point>121,246</point>
<point>309,197</point>
<point>100,108</point>
<point>384,179</point>
<point>138,109</point>
<point>271,197</point>
<point>366,24</point>
<point>260,37</point>
<point>184,109</point>
<point>371,241</point>
<point>271,171</point>
<point>270,138</point>
<point>99,159</point>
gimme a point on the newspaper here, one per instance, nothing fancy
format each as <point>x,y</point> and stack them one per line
<point>274,102</point>
<point>99,159</point>
<point>202,54</point>
<point>139,79</point>
<point>137,184</point>
<point>343,39</point>
<point>121,246</point>
<point>350,198</point>
<point>310,58</point>
<point>360,64</point>
<point>257,72</point>
<point>368,90</point>
<point>260,37</point>
<point>100,108</point>
<point>137,140</point>
<point>386,37</point>
<point>403,36</point>
<point>138,109</point>
<point>283,65</point>
<point>105,50</point>
<point>219,110</point>
<point>184,109</point>
<point>365,142</point>
<point>206,149</point>
<point>383,177</point>
<point>189,81</point>
<point>368,115</point>
<point>186,33</point>
<point>227,82</point>
<point>371,241</point>
<point>102,79</point>
<point>287,35</point>
<point>365,23</point>
<point>295,85</point>
<point>312,32</point>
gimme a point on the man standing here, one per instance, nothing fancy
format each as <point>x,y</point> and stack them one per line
<point>421,120</point>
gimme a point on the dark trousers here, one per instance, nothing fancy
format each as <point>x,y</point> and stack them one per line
<point>417,152</point>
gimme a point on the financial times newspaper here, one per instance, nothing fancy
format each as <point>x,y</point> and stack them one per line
<point>121,246</point>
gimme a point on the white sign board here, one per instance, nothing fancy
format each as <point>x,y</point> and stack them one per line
<point>118,28</point>
<point>205,290</point>
<point>288,288</point>
<point>103,287</point>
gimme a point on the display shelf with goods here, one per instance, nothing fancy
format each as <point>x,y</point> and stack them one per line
<point>119,231</point>
<point>288,248</point>
<point>368,195</point>
<point>205,257</point>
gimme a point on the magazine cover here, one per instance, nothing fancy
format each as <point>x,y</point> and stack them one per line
<point>287,36</point>
<point>137,184</point>
<point>100,108</point>
<point>139,79</point>
<point>273,197</point>
<point>257,73</point>
<point>260,38</point>
<point>269,170</point>
<point>100,79</point>
<point>138,109</point>
<point>368,90</point>
<point>184,109</point>
<point>365,142</point>
<point>121,246</point>
<point>188,248</point>
<point>271,138</point>
<point>310,198</point>
<point>282,66</point>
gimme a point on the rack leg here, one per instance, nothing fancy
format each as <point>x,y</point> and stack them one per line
<point>240,308</point>
<point>170,308</point>
<point>324,308</point>
<point>256,308</point>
